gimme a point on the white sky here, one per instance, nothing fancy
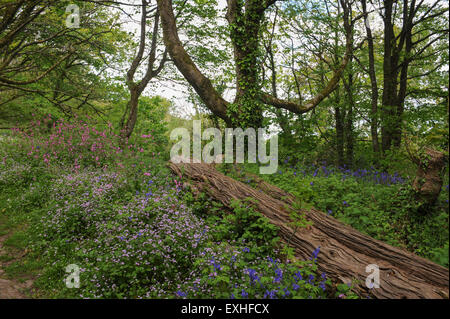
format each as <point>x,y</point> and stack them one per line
<point>175,92</point>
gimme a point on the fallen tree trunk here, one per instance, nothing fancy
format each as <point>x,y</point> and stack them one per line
<point>344,252</point>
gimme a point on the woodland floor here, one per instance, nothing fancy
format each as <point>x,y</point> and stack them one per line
<point>18,288</point>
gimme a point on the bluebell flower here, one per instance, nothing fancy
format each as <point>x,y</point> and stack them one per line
<point>316,252</point>
<point>322,285</point>
<point>278,275</point>
<point>270,294</point>
<point>216,265</point>
<point>252,274</point>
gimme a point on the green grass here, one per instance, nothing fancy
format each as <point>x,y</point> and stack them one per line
<point>18,240</point>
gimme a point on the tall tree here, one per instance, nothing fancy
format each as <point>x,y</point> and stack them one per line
<point>404,42</point>
<point>373,82</point>
<point>136,88</point>
<point>49,63</point>
<point>244,18</point>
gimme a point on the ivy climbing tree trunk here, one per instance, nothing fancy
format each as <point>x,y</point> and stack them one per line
<point>429,178</point>
<point>339,116</point>
<point>244,18</point>
<point>349,134</point>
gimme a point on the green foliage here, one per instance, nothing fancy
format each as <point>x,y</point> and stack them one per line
<point>136,233</point>
<point>385,211</point>
<point>344,291</point>
<point>71,192</point>
<point>237,274</point>
<point>78,83</point>
<point>242,224</point>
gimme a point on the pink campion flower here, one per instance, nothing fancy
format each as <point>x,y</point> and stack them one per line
<point>147,174</point>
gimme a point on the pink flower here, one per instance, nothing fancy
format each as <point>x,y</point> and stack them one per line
<point>147,174</point>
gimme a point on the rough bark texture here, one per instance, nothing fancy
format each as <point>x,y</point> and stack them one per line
<point>428,181</point>
<point>243,50</point>
<point>373,83</point>
<point>201,84</point>
<point>344,252</point>
<point>136,87</point>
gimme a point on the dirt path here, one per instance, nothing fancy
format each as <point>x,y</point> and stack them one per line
<point>11,289</point>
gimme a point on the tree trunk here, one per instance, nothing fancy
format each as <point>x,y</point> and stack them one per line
<point>339,118</point>
<point>349,134</point>
<point>390,75</point>
<point>129,118</point>
<point>374,85</point>
<point>344,252</point>
<point>245,22</point>
<point>132,111</point>
<point>428,181</point>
